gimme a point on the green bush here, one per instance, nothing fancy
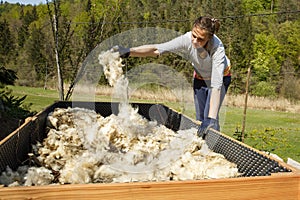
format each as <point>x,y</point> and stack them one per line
<point>264,89</point>
<point>13,107</point>
<point>7,76</point>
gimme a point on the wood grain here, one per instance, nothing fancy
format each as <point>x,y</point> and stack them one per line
<point>285,186</point>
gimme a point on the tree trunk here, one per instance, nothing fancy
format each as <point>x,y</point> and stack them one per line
<point>59,74</point>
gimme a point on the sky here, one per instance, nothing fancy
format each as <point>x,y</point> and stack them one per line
<point>32,2</point>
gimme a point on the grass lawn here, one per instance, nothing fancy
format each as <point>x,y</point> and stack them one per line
<point>278,132</point>
<point>38,97</point>
<point>273,131</point>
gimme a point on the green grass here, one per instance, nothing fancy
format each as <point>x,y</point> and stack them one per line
<point>285,142</point>
<point>38,97</point>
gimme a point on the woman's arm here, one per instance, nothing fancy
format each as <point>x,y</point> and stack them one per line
<point>214,104</point>
<point>218,66</point>
<point>144,51</point>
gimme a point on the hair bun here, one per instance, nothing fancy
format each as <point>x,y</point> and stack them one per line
<point>215,24</point>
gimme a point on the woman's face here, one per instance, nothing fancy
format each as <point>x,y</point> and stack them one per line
<point>199,37</point>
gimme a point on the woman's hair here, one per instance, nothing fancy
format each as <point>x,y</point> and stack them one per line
<point>211,25</point>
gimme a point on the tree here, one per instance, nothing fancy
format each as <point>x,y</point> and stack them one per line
<point>6,43</point>
<point>68,48</point>
<point>26,19</point>
<point>287,35</point>
<point>36,51</point>
<point>55,25</point>
<point>285,6</point>
<point>267,57</point>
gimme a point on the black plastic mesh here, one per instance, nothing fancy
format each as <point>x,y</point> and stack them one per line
<point>14,151</point>
<point>249,161</point>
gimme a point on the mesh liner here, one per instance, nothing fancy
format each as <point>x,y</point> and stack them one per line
<point>14,151</point>
<point>249,161</point>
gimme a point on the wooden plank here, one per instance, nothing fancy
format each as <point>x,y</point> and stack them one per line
<point>267,188</point>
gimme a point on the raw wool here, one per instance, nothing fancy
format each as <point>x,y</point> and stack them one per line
<point>13,178</point>
<point>124,148</point>
<point>38,176</point>
<point>112,66</point>
<point>121,90</point>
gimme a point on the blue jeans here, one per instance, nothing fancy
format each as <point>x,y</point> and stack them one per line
<point>202,93</point>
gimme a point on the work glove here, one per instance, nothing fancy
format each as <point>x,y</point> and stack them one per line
<point>123,51</point>
<point>206,125</point>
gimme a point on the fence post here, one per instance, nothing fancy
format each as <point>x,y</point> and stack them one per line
<point>246,102</point>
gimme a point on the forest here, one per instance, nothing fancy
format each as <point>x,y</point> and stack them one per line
<point>263,35</point>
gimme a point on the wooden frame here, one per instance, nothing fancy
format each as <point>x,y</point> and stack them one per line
<point>280,186</point>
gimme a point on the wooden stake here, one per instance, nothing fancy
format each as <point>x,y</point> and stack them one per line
<point>245,106</point>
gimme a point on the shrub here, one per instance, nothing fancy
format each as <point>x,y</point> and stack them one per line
<point>264,89</point>
<point>13,107</point>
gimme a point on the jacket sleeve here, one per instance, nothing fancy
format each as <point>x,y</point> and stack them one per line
<point>218,67</point>
<point>176,45</point>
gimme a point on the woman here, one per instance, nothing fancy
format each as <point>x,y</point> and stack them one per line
<point>207,55</point>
